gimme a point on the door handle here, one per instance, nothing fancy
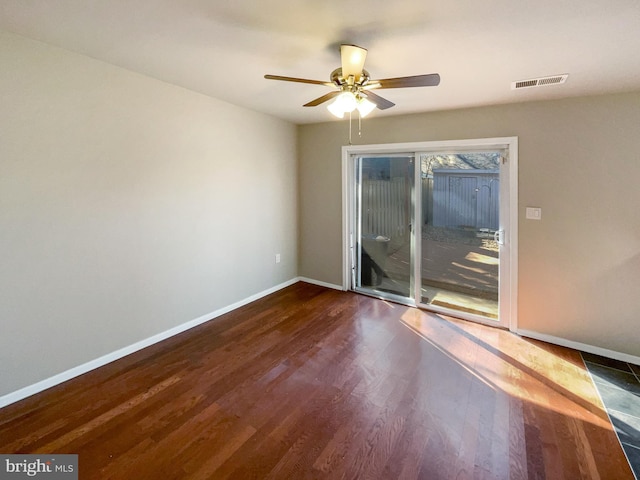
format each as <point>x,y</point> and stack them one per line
<point>499,237</point>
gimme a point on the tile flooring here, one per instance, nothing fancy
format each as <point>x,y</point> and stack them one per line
<point>619,386</point>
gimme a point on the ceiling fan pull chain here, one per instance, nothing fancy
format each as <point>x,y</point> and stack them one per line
<point>350,142</point>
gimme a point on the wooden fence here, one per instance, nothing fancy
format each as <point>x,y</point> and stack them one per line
<point>386,209</point>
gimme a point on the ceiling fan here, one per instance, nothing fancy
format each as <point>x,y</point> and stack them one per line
<point>352,85</point>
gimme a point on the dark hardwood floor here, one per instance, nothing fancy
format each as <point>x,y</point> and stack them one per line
<point>316,383</point>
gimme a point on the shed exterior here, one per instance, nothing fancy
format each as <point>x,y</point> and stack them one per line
<point>466,198</point>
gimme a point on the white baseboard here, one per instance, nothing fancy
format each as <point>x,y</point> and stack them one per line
<point>624,357</point>
<point>321,284</point>
<point>123,352</point>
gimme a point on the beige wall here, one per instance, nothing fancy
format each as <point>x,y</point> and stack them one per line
<point>127,207</point>
<point>579,160</point>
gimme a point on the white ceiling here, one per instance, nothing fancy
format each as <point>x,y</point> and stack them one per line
<point>222,48</point>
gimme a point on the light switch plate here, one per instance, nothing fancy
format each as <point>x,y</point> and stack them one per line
<point>534,213</point>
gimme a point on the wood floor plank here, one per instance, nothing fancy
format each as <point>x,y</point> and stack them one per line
<point>315,383</point>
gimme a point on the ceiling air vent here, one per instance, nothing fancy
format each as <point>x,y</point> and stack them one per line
<point>539,82</point>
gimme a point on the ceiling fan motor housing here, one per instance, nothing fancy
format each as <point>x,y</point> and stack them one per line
<point>346,84</point>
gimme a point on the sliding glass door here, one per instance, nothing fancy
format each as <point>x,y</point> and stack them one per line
<point>383,225</point>
<point>460,231</point>
<point>427,225</point>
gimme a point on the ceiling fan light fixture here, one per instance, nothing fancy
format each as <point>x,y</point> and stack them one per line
<point>344,103</point>
<point>353,58</point>
<point>365,107</point>
<point>347,101</point>
<point>335,109</point>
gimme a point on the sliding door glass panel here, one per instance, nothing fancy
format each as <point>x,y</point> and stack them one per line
<point>460,233</point>
<point>384,212</point>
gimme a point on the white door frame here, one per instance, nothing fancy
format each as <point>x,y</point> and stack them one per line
<point>508,294</point>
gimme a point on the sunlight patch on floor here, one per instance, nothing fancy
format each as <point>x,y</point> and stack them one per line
<point>460,301</point>
<point>480,258</point>
<point>513,365</point>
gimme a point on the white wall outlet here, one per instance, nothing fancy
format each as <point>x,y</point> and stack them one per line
<point>534,213</point>
<point>277,258</point>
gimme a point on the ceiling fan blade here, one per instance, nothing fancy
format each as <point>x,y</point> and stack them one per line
<point>429,80</point>
<point>322,99</point>
<point>352,58</point>
<point>298,80</point>
<point>381,103</point>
